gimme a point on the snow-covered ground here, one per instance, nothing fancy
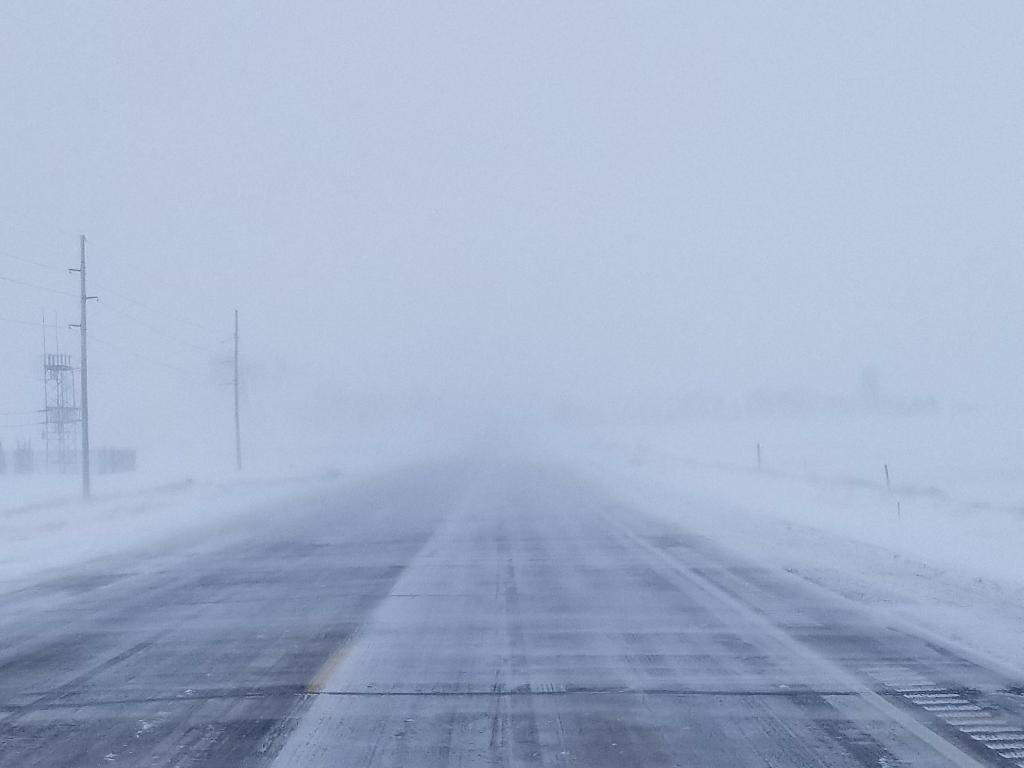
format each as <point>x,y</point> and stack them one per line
<point>940,546</point>
<point>44,526</point>
<point>943,547</point>
<point>20,492</point>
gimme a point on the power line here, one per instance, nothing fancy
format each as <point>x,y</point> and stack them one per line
<point>133,265</point>
<point>104,342</point>
<point>12,320</point>
<point>134,301</point>
<point>117,347</point>
<point>36,286</point>
<point>104,287</point>
<point>156,329</point>
<point>33,262</point>
<point>162,312</point>
<point>160,278</point>
<point>151,360</point>
<point>48,222</point>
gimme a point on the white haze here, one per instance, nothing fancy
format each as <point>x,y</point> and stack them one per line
<point>508,212</point>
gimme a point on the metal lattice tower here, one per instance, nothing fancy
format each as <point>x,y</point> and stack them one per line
<point>62,414</point>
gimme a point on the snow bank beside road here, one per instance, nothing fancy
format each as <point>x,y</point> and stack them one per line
<point>44,526</point>
<point>21,492</point>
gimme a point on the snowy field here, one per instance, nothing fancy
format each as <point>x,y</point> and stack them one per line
<point>941,546</point>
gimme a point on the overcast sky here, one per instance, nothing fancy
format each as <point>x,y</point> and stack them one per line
<point>517,201</point>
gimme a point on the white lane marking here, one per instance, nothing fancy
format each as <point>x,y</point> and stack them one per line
<point>1005,740</point>
<point>937,702</point>
<point>929,701</point>
<point>983,715</point>
<point>947,705</point>
<point>953,708</point>
<point>961,721</point>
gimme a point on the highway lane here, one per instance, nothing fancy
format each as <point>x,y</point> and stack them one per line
<point>193,656</point>
<point>477,614</point>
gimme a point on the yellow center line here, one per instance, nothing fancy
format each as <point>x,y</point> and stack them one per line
<point>335,660</point>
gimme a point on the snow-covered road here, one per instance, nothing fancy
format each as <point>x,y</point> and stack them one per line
<point>478,614</point>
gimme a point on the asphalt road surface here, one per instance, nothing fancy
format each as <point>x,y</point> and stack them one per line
<point>475,615</point>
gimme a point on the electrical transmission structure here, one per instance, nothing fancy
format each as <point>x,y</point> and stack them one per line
<point>61,414</point>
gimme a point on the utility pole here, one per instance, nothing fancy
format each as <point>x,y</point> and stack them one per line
<point>82,326</point>
<point>238,429</point>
